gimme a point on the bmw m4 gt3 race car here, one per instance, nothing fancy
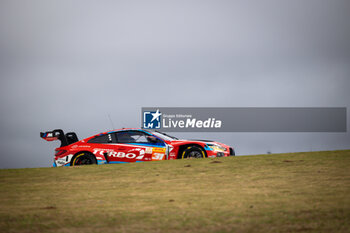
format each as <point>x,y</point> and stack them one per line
<point>129,145</point>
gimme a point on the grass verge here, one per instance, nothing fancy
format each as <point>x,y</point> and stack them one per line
<point>297,192</point>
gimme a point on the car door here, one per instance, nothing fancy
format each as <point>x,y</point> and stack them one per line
<point>102,146</point>
<point>137,146</point>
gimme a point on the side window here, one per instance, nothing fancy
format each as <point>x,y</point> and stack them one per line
<point>133,137</point>
<point>105,138</point>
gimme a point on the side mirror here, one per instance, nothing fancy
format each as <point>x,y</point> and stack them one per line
<point>152,139</point>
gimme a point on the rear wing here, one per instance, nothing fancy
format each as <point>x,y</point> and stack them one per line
<point>58,134</point>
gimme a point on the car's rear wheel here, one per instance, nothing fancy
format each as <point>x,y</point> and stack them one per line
<point>193,152</point>
<point>83,158</point>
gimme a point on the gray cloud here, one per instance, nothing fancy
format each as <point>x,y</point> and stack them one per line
<point>67,65</point>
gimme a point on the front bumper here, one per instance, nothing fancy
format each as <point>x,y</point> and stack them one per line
<point>228,151</point>
<point>214,154</point>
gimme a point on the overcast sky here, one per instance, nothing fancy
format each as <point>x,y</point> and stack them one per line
<point>68,64</point>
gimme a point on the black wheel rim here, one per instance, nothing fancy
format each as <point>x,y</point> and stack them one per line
<point>195,154</point>
<point>83,160</point>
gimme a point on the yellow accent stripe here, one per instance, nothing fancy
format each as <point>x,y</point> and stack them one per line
<point>76,158</point>
<point>183,154</point>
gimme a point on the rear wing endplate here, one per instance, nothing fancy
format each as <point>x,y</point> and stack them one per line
<point>58,134</point>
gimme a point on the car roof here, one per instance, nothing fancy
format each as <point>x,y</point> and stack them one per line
<point>122,129</point>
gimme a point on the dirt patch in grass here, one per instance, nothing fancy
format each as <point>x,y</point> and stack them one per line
<point>290,161</point>
<point>49,208</point>
<point>215,161</point>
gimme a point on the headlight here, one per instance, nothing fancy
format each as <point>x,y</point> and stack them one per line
<point>216,147</point>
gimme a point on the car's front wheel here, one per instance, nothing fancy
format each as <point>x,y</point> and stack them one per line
<point>194,152</point>
<point>83,158</point>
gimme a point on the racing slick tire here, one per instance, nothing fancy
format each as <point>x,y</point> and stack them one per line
<point>193,152</point>
<point>83,158</point>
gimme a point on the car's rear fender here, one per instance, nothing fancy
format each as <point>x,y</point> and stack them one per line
<point>100,158</point>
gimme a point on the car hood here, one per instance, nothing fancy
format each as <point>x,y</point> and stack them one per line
<point>197,140</point>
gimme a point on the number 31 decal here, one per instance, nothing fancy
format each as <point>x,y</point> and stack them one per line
<point>157,156</point>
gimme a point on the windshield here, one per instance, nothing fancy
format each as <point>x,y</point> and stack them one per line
<point>163,136</point>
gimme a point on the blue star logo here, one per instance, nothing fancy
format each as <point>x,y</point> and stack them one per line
<point>152,120</point>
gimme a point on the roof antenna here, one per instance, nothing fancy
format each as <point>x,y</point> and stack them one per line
<point>110,119</point>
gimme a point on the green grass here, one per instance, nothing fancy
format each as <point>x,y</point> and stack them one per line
<point>298,192</point>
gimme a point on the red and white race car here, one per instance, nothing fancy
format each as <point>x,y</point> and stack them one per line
<point>129,145</point>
